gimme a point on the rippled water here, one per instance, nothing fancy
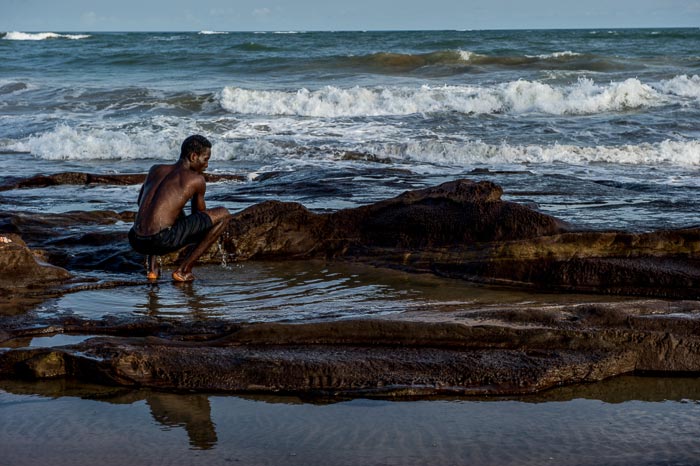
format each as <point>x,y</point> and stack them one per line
<point>293,291</point>
<point>624,421</point>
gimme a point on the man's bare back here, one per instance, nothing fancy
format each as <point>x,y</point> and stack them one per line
<point>161,225</point>
<point>164,194</point>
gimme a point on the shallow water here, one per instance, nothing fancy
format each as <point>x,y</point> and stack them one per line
<point>623,421</point>
<point>295,291</point>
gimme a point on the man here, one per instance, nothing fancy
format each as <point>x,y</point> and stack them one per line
<point>161,225</point>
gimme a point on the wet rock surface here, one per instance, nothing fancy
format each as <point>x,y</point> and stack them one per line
<point>513,350</point>
<point>460,229</point>
<point>24,275</point>
<point>80,178</point>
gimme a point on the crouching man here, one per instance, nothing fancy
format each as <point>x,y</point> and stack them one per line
<point>161,225</point>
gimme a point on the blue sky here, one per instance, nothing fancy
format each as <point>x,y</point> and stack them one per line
<point>307,15</point>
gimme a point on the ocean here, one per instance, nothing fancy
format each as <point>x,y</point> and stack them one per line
<point>600,128</point>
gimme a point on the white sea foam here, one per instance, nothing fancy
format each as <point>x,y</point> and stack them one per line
<point>682,86</point>
<point>65,143</point>
<point>517,97</point>
<point>15,35</point>
<point>676,153</point>
<point>209,33</point>
<point>565,53</point>
<point>466,55</point>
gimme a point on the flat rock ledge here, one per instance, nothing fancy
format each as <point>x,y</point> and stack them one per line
<point>508,351</point>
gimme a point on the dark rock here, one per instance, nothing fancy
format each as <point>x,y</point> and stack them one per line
<point>459,229</point>
<point>79,178</point>
<point>21,270</point>
<point>513,351</point>
<point>457,213</point>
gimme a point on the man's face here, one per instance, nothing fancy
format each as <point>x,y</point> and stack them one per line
<point>200,162</point>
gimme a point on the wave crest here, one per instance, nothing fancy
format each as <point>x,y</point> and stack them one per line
<point>65,143</point>
<point>16,35</point>
<point>676,153</point>
<point>682,86</point>
<point>516,97</point>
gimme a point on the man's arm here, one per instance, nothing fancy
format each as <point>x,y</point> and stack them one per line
<point>198,204</point>
<point>138,201</point>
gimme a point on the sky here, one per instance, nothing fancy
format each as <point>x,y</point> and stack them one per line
<point>334,15</point>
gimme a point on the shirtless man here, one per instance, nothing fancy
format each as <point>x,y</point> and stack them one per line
<point>161,225</point>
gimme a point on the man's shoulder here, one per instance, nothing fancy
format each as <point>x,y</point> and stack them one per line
<point>160,169</point>
<point>191,177</point>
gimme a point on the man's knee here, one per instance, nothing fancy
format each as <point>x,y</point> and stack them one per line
<point>218,214</point>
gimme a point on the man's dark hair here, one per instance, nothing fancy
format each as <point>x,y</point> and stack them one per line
<point>196,144</point>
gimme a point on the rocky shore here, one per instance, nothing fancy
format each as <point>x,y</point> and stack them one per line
<point>461,229</point>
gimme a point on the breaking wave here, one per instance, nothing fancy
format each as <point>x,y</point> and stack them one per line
<point>677,153</point>
<point>583,97</point>
<point>65,143</point>
<point>15,35</point>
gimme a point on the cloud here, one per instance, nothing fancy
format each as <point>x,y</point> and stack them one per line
<point>261,12</point>
<point>90,18</point>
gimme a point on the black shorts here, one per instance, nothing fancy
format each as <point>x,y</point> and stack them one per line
<point>187,230</point>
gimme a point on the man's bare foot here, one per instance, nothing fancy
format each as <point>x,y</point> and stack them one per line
<point>152,268</point>
<point>179,276</point>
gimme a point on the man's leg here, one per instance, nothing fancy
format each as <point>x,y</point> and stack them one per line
<point>153,271</point>
<point>219,218</point>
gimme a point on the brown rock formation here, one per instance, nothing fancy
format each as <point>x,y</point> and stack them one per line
<point>458,213</point>
<point>460,229</point>
<point>80,178</point>
<point>22,270</point>
<point>505,351</point>
<point>463,230</point>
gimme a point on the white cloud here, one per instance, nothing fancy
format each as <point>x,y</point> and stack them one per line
<point>90,18</point>
<point>261,12</point>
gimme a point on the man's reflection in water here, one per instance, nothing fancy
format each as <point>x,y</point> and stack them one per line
<point>183,300</point>
<point>193,412</point>
<point>195,302</point>
<point>153,304</point>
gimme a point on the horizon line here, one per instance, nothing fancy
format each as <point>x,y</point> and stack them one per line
<point>301,31</point>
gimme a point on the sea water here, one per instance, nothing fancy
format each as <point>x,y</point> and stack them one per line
<point>600,128</point>
<point>597,127</point>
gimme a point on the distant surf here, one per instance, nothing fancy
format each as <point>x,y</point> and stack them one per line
<point>16,35</point>
<point>584,97</point>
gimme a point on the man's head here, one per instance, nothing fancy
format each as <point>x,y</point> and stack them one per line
<point>196,144</point>
<point>197,150</point>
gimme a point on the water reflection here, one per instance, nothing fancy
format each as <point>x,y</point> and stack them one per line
<point>294,291</point>
<point>194,412</point>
